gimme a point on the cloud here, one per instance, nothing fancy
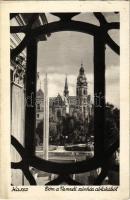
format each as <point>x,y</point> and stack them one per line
<point>63,52</point>
<point>112,74</point>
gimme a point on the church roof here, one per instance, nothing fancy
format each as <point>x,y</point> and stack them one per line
<point>59,96</point>
<point>40,93</point>
<point>54,100</point>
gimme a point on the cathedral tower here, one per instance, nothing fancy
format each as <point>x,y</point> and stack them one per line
<point>81,92</point>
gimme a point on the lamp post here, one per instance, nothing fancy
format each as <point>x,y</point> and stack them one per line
<point>46,120</point>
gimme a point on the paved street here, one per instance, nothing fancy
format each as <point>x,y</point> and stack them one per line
<point>61,155</point>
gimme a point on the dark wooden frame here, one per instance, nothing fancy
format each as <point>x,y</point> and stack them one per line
<point>101,38</point>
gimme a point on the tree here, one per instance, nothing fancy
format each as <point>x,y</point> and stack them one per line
<point>111,125</point>
<point>112,116</point>
<point>52,132</point>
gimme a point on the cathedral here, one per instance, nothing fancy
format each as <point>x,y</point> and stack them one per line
<point>79,105</point>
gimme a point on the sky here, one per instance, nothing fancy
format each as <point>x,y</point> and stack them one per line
<point>63,52</point>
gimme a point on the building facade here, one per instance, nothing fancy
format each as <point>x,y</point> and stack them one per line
<point>18,86</point>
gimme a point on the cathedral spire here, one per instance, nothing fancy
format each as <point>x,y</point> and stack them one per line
<point>81,69</point>
<point>66,91</point>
